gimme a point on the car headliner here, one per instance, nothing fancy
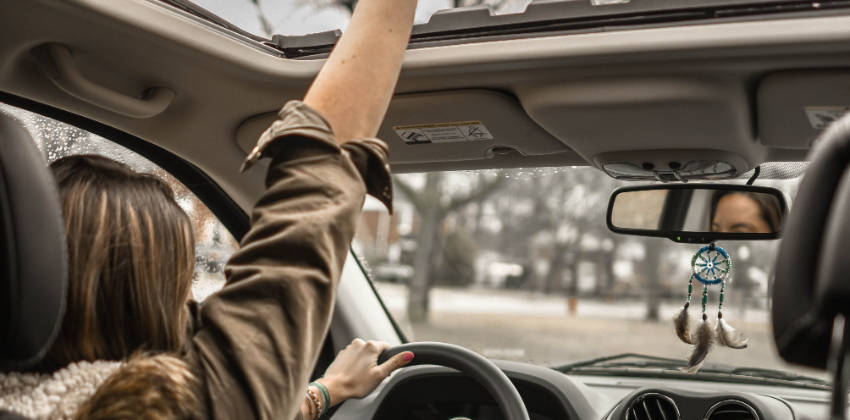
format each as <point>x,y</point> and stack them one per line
<point>733,90</point>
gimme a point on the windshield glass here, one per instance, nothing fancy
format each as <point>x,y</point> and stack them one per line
<point>519,265</point>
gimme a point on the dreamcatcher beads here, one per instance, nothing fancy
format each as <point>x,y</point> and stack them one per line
<point>710,265</point>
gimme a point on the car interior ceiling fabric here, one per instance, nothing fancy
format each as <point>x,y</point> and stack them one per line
<point>33,258</point>
<point>809,289</point>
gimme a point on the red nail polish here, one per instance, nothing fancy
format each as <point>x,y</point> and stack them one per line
<point>407,356</point>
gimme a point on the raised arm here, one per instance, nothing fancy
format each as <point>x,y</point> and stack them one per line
<point>362,70</point>
<point>255,342</point>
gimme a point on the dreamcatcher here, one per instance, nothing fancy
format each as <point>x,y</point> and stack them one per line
<point>711,265</point>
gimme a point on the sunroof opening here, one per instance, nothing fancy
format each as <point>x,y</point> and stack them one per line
<point>265,18</point>
<point>308,29</point>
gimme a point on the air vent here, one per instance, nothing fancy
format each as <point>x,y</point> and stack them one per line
<point>652,406</point>
<point>731,410</point>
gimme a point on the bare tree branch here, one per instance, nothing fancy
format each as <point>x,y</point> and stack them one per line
<point>479,193</point>
<point>348,4</point>
<point>261,16</point>
<point>411,193</point>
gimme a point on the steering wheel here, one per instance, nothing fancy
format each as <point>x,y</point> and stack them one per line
<point>471,364</point>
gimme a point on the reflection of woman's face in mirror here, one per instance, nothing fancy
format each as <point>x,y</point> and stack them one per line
<point>738,213</point>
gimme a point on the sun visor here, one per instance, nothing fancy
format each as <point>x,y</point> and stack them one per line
<point>795,106</point>
<point>650,128</point>
<point>453,126</point>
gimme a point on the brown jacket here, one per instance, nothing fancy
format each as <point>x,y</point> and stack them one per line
<point>254,343</point>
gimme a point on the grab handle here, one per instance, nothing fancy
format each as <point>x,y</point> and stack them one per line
<point>59,66</point>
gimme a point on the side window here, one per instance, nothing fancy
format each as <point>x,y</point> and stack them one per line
<point>213,243</point>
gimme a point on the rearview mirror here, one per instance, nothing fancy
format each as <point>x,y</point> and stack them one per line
<point>698,213</point>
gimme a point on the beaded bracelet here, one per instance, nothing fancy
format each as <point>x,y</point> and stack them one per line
<point>310,409</point>
<point>309,415</point>
<point>326,396</point>
<point>316,403</point>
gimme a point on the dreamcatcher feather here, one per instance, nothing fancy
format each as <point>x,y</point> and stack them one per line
<point>703,341</point>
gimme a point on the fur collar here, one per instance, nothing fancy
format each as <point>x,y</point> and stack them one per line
<point>55,396</point>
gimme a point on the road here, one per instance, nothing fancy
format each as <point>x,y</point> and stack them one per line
<point>516,325</point>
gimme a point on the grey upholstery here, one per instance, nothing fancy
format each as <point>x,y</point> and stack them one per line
<point>33,262</point>
<point>8,415</point>
<point>811,284</point>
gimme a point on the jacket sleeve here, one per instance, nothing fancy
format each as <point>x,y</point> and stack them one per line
<point>255,342</point>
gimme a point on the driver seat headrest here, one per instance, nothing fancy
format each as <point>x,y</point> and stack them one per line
<point>33,260</point>
<point>811,285</point>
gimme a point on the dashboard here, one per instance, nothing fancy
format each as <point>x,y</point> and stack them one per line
<point>439,393</point>
<point>444,396</point>
<point>671,403</point>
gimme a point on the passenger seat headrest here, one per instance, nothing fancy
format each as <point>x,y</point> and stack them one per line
<point>33,261</point>
<point>811,284</point>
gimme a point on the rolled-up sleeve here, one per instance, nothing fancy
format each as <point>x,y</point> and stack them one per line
<point>255,342</point>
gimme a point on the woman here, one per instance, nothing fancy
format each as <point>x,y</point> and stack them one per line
<point>249,350</point>
<point>745,212</point>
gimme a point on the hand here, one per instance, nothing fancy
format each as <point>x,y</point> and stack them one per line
<point>355,371</point>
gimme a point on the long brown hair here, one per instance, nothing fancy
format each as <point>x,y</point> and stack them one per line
<point>131,261</point>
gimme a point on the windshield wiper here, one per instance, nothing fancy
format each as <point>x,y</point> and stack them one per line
<point>613,361</point>
<point>777,374</point>
<point>650,366</point>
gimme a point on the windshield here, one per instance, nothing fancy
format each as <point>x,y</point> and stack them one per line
<point>519,265</point>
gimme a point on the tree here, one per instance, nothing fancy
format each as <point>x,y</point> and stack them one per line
<point>583,198</point>
<point>265,24</point>
<point>652,272</point>
<point>433,203</point>
<point>548,214</point>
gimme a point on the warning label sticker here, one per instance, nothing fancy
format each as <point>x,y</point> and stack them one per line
<point>450,132</point>
<point>822,116</point>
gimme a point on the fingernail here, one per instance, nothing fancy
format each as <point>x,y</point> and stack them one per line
<point>407,356</point>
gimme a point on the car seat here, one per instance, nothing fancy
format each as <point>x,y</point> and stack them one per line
<point>811,292</point>
<point>33,260</point>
